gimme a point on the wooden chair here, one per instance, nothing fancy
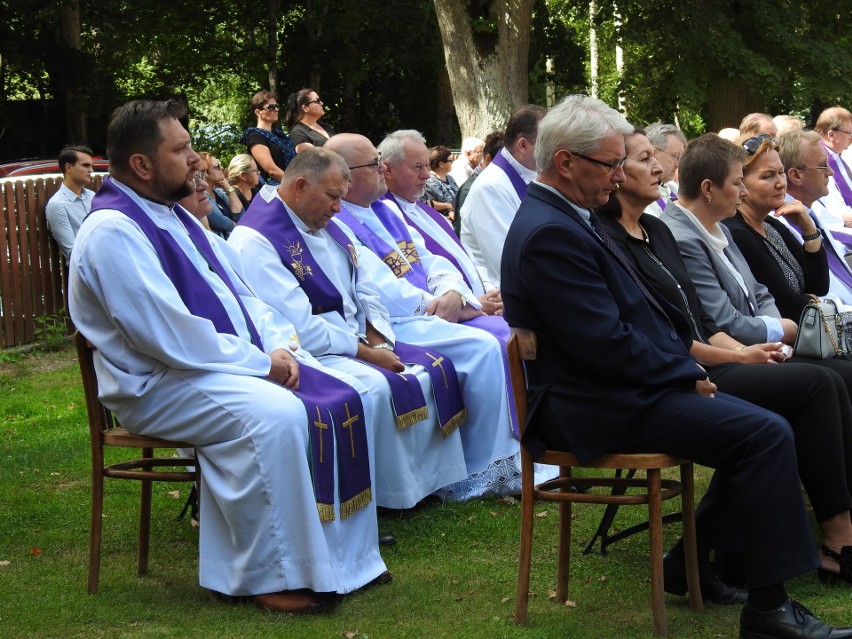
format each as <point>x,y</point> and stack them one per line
<point>105,431</point>
<point>522,347</point>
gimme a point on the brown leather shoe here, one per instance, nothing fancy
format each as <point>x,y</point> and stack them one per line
<point>297,601</point>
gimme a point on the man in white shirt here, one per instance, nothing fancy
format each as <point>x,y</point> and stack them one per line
<point>413,456</point>
<point>834,126</point>
<point>71,203</point>
<point>670,143</point>
<point>467,161</point>
<point>407,148</point>
<point>808,175</point>
<point>185,351</point>
<point>496,195</point>
<point>431,306</point>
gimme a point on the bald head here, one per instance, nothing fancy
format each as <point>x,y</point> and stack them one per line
<point>347,145</point>
<point>367,178</point>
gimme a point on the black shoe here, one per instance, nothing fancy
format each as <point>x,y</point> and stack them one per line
<point>790,621</point>
<point>386,540</point>
<point>712,589</point>
<point>844,558</point>
<point>382,580</point>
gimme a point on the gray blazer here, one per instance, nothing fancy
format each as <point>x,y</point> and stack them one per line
<point>720,294</point>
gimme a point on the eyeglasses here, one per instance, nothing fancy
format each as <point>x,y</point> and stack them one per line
<point>374,163</point>
<point>842,131</point>
<point>271,107</point>
<point>675,157</point>
<point>318,101</point>
<point>198,178</point>
<point>752,145</point>
<point>610,166</point>
<point>813,168</point>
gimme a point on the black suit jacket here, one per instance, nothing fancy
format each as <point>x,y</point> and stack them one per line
<point>605,353</point>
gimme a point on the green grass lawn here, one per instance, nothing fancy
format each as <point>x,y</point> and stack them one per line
<point>454,566</point>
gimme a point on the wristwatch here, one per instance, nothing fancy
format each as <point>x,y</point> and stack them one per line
<point>231,189</point>
<point>383,346</point>
<point>812,236</point>
<point>461,296</point>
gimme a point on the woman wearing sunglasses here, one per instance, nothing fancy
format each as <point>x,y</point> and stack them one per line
<point>271,148</point>
<point>304,109</point>
<point>794,273</point>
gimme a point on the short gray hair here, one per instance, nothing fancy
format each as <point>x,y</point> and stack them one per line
<point>577,123</point>
<point>469,144</point>
<point>391,148</point>
<point>312,164</point>
<point>658,132</point>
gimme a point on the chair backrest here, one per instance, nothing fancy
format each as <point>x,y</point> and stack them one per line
<point>522,347</point>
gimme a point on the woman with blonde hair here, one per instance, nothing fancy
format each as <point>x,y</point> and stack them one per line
<point>244,176</point>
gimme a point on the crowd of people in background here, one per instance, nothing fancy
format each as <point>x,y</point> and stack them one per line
<point>376,284</point>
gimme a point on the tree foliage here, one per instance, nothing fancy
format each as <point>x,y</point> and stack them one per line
<point>720,59</point>
<point>379,65</point>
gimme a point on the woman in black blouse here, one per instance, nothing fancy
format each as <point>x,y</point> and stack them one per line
<point>813,399</point>
<point>793,273</point>
<point>304,110</point>
<point>270,147</point>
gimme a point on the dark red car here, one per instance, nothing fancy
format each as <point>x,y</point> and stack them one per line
<point>43,166</point>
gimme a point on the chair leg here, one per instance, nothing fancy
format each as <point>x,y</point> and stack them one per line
<point>655,529</point>
<point>690,545</point>
<point>563,568</point>
<point>144,522</point>
<point>95,530</point>
<point>525,553</point>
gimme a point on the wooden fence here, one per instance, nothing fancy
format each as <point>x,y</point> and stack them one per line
<point>32,270</point>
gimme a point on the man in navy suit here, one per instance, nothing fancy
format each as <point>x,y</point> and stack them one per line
<point>614,373</point>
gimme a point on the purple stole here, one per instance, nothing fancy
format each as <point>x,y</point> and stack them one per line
<point>399,232</point>
<point>401,259</point>
<point>445,387</point>
<point>662,202</point>
<point>836,264</point>
<point>272,220</point>
<point>494,325</point>
<point>435,247</point>
<point>512,173</point>
<point>840,169</point>
<point>324,397</point>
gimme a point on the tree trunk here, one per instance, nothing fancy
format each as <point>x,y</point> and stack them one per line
<point>75,111</point>
<point>272,44</point>
<point>593,47</point>
<point>445,112</point>
<point>315,17</point>
<point>729,102</point>
<point>619,57</point>
<point>488,69</point>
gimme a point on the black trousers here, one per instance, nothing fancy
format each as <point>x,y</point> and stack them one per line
<point>815,401</point>
<point>754,502</point>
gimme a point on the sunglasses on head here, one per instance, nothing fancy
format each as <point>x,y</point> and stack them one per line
<point>753,144</point>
